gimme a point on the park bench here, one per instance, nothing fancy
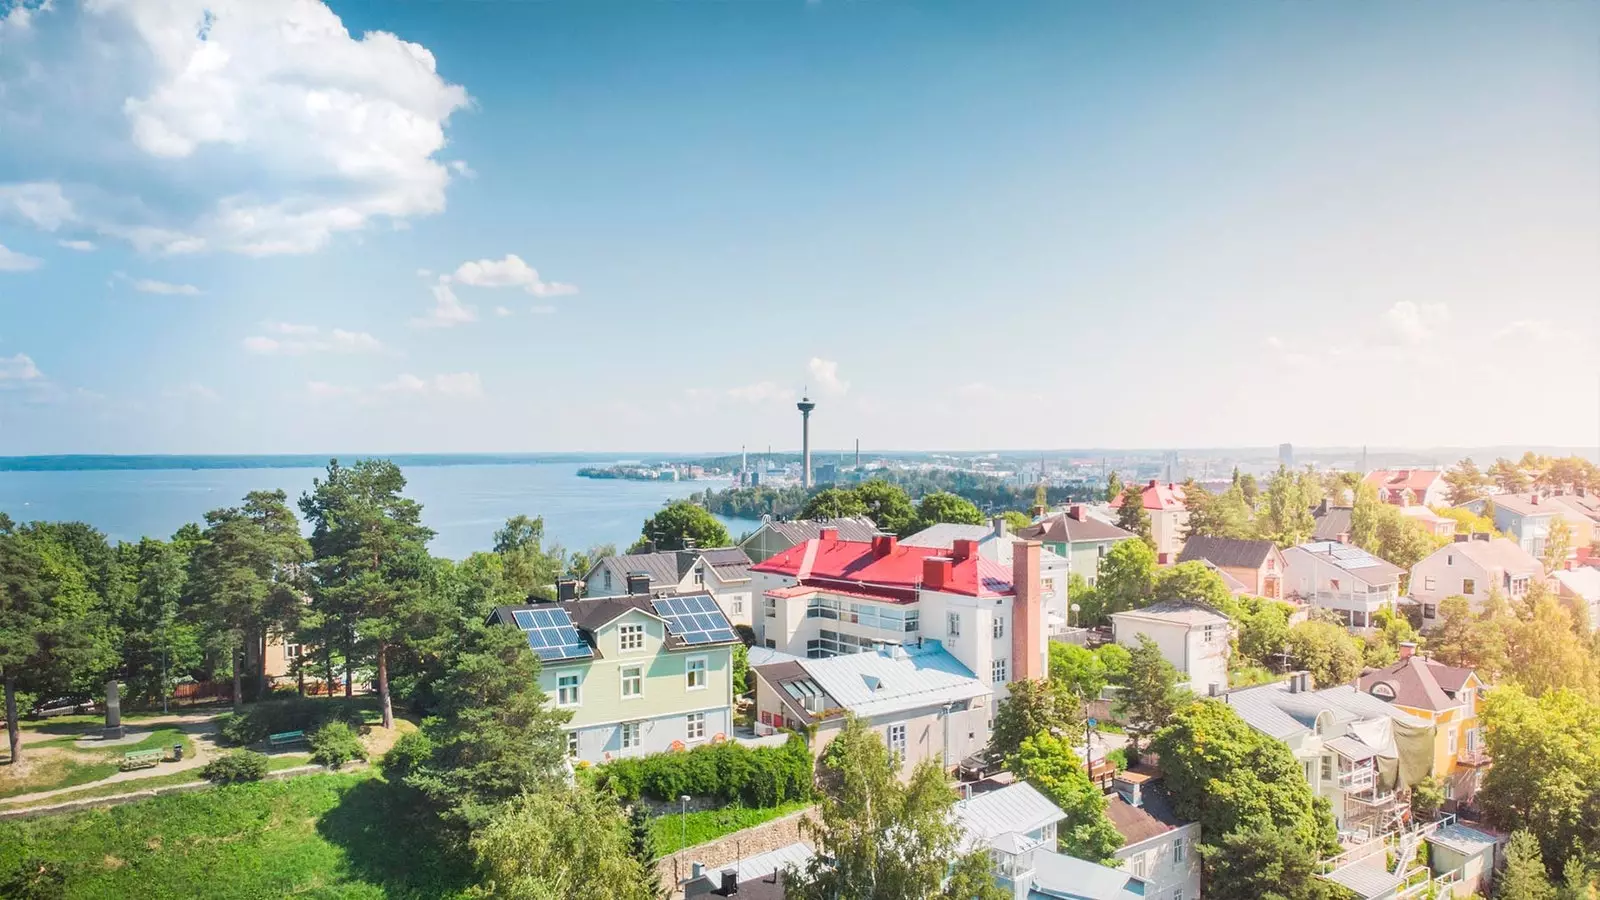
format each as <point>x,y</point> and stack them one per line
<point>285,738</point>
<point>142,759</point>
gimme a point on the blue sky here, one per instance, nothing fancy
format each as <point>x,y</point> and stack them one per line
<point>276,226</point>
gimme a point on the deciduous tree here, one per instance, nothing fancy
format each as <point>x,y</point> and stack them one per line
<point>1114,486</point>
<point>940,506</point>
<point>1557,544</point>
<point>1149,693</point>
<point>678,523</point>
<point>1546,773</point>
<point>1265,864</point>
<point>564,842</point>
<point>1192,581</point>
<point>1132,516</point>
<point>888,506</point>
<point>834,503</point>
<point>1048,763</point>
<point>1464,482</point>
<point>1327,651</point>
<point>1127,577</point>
<point>1032,707</point>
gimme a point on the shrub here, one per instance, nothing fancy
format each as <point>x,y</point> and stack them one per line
<point>761,777</point>
<point>289,714</point>
<point>1118,758</point>
<point>236,767</point>
<point>35,879</point>
<point>335,744</point>
<point>406,756</point>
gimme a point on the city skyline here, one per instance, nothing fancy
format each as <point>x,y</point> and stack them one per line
<point>534,227</point>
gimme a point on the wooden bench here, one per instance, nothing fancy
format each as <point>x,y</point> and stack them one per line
<point>285,738</point>
<point>142,759</point>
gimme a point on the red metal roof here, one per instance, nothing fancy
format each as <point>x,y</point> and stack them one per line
<point>1157,496</point>
<point>1415,480</point>
<point>833,564</point>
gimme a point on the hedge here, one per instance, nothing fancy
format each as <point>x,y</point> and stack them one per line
<point>269,717</point>
<point>730,772</point>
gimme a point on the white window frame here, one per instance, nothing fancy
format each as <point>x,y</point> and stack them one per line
<point>629,736</point>
<point>569,689</point>
<point>636,679</point>
<point>691,667</point>
<point>630,637</point>
<point>999,627</point>
<point>1177,852</point>
<point>291,651</point>
<point>1467,581</point>
<point>738,606</point>
<point>897,739</point>
<point>694,726</point>
<point>1428,583</point>
<point>1455,739</point>
<point>952,624</point>
<point>572,744</point>
<point>999,670</point>
<point>769,607</point>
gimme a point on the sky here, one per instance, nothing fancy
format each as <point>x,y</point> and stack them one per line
<point>258,226</point>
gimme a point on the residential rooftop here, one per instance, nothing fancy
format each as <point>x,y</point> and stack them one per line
<point>1229,553</point>
<point>828,561</point>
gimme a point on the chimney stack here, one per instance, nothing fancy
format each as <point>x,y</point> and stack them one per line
<point>1000,526</point>
<point>1461,538</point>
<point>936,572</point>
<point>1408,649</point>
<point>829,534</point>
<point>1482,536</point>
<point>730,882</point>
<point>1078,513</point>
<point>1027,614</point>
<point>883,545</point>
<point>964,549</point>
<point>638,584</point>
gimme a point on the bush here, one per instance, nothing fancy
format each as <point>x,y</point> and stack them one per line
<point>1118,758</point>
<point>763,777</point>
<point>35,879</point>
<point>236,767</point>
<point>289,714</point>
<point>335,744</point>
<point>406,756</point>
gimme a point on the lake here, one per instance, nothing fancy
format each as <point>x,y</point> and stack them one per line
<point>463,503</point>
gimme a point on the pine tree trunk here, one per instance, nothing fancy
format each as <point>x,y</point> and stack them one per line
<point>261,683</point>
<point>383,685</point>
<point>13,728</point>
<point>327,662</point>
<point>238,676</point>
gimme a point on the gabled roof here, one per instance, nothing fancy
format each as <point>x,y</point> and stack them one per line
<point>1062,528</point>
<point>1151,818</point>
<point>998,547</point>
<point>592,614</point>
<point>1353,560</point>
<point>851,528</point>
<point>855,564</point>
<point>1057,875</point>
<point>1157,496</point>
<point>1227,552</point>
<point>891,680</point>
<point>1583,581</point>
<point>1587,505</point>
<point>1418,683</point>
<point>1189,612</point>
<point>1531,505</point>
<point>1332,522</point>
<point>1495,553</point>
<point>1234,585</point>
<point>731,563</point>
<point>1275,711</point>
<point>1015,808</point>
<point>1415,480</point>
<point>665,567</point>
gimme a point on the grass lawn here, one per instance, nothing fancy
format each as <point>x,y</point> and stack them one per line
<point>58,771</point>
<point>58,763</point>
<point>324,836</point>
<point>667,830</point>
<point>274,764</point>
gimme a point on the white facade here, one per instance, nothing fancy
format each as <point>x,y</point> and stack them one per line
<point>1471,569</point>
<point>1316,576</point>
<point>1194,638</point>
<point>1169,863</point>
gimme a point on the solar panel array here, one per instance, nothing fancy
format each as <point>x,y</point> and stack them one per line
<point>695,619</point>
<point>551,634</point>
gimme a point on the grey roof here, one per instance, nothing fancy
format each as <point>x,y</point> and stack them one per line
<point>1332,522</point>
<point>1063,528</point>
<point>1529,505</point>
<point>851,528</point>
<point>1352,559</point>
<point>731,563</point>
<point>592,614</point>
<point>1189,612</point>
<point>895,679</point>
<point>1230,552</point>
<point>764,864</point>
<point>1462,839</point>
<point>1367,878</point>
<point>1350,748</point>
<point>1583,581</point>
<point>1272,710</point>
<point>1015,808</point>
<point>1056,875</point>
<point>666,568</point>
<point>765,656</point>
<point>1497,553</point>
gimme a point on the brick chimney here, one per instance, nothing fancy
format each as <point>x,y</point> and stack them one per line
<point>964,549</point>
<point>1408,649</point>
<point>883,545</point>
<point>936,572</point>
<point>828,534</point>
<point>1027,614</point>
<point>1077,513</point>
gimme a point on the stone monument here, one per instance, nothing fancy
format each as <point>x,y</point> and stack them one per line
<point>113,729</point>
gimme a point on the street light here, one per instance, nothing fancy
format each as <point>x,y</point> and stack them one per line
<point>683,820</point>
<point>1074,608</point>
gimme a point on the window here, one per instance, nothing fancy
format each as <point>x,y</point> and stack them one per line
<point>1449,559</point>
<point>1100,550</point>
<point>696,728</point>
<point>699,576</point>
<point>772,644</point>
<point>1177,894</point>
<point>953,624</point>
<point>1519,587</point>
<point>738,606</point>
<point>1138,866</point>
<point>572,743</point>
<point>607,580</point>
<point>630,637</point>
<point>1428,583</point>
<point>1428,610</point>
<point>567,690</point>
<point>897,740</point>
<point>632,682</point>
<point>1177,851</point>
<point>997,670</point>
<point>769,606</point>
<point>1469,586</point>
<point>291,651</point>
<point>1333,583</point>
<point>695,673</point>
<point>1454,737</point>
<point>766,717</point>
<point>999,627</point>
<point>1272,564</point>
<point>1208,634</point>
<point>630,735</point>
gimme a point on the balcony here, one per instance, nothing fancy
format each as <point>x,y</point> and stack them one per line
<point>1362,779</point>
<point>1473,756</point>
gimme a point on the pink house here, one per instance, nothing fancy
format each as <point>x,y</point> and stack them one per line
<point>1409,487</point>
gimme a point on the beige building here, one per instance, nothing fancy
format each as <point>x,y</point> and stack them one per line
<point>1169,518</point>
<point>1472,566</point>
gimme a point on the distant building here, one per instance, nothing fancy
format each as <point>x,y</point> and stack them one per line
<point>1169,517</point>
<point>1528,518</point>
<point>1157,846</point>
<point>1472,566</point>
<point>1431,522</point>
<point>1409,487</point>
<point>773,537</point>
<point>1333,521</point>
<point>1286,455</point>
<point>1195,638</point>
<point>1257,564</point>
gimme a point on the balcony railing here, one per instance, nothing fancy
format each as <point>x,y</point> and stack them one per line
<point>1356,779</point>
<point>1473,756</point>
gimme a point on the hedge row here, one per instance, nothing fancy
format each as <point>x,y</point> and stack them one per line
<point>269,717</point>
<point>731,772</point>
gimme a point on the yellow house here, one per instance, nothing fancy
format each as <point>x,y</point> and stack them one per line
<point>1448,697</point>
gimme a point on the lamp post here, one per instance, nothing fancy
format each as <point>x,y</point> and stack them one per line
<point>1074,610</point>
<point>683,822</point>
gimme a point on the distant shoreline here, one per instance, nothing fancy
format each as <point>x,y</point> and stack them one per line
<point>158,462</point>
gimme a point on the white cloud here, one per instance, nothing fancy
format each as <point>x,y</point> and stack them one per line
<point>80,246</point>
<point>761,392</point>
<point>448,310</point>
<point>301,339</point>
<point>1526,331</point>
<point>19,18</point>
<point>1416,324</point>
<point>502,311</point>
<point>193,390</point>
<point>825,375</point>
<point>12,261</point>
<point>508,272</point>
<point>541,309</point>
<point>19,368</point>
<point>460,167</point>
<point>291,129</point>
<point>456,384</point>
<point>151,286</point>
<point>406,384</point>
<point>324,390</point>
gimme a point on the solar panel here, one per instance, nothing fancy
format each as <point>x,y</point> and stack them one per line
<point>551,634</point>
<point>695,619</point>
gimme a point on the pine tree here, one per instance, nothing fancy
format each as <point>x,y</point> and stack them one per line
<point>1132,517</point>
<point>1524,877</point>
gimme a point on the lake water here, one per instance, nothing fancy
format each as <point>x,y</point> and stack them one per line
<point>464,504</point>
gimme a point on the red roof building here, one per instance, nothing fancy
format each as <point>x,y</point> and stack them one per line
<point>1409,487</point>
<point>1158,496</point>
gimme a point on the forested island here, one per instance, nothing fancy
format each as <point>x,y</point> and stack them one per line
<point>987,492</point>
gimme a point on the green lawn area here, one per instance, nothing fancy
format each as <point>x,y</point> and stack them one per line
<point>275,763</point>
<point>668,830</point>
<point>324,836</point>
<point>83,766</point>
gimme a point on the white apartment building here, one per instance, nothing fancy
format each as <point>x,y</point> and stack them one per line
<point>1158,847</point>
<point>1194,637</point>
<point>1341,578</point>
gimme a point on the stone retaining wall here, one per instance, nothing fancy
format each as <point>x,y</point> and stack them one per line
<point>672,870</point>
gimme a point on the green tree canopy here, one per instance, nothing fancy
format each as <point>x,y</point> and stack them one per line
<point>888,506</point>
<point>1048,763</point>
<point>1508,476</point>
<point>1464,482</point>
<point>1132,517</point>
<point>1286,512</point>
<point>564,842</point>
<point>1113,486</point>
<point>834,503</point>
<point>1032,707</point>
<point>1331,654</point>
<point>1225,515</point>
<point>1149,692</point>
<point>940,506</point>
<point>1265,864</point>
<point>1263,629</point>
<point>678,523</point>
<point>1525,876</point>
<point>1127,578</point>
<point>878,837</point>
<point>1192,581</point>
<point>1015,520</point>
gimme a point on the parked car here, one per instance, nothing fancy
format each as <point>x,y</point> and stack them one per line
<point>62,706</point>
